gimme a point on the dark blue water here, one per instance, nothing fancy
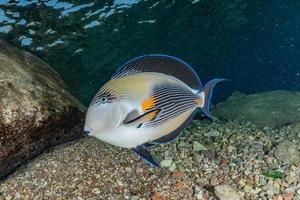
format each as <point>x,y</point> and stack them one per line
<point>255,44</point>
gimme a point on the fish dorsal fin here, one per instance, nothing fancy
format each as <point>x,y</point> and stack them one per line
<point>160,63</point>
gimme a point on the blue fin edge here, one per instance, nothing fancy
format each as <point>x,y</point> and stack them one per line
<point>139,151</point>
<point>208,90</point>
<point>160,55</point>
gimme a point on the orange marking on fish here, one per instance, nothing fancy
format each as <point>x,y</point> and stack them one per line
<point>148,103</point>
<point>199,100</point>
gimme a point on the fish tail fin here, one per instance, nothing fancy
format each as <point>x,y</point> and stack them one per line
<point>205,96</point>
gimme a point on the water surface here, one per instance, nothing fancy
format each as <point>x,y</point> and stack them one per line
<point>256,44</point>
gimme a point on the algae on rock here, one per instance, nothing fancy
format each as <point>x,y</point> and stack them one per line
<point>272,108</point>
<point>36,109</point>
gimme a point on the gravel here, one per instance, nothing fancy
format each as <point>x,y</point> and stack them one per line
<point>210,159</point>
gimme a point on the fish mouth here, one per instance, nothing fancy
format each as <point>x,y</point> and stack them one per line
<point>88,131</point>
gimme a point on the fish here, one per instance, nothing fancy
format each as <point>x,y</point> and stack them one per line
<point>147,102</point>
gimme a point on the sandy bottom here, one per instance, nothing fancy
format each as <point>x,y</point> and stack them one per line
<point>212,160</point>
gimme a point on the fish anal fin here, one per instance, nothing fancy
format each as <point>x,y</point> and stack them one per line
<point>142,152</point>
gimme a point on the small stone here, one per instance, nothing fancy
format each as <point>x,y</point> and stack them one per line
<point>183,145</point>
<point>172,167</point>
<point>288,196</point>
<point>17,195</point>
<point>8,197</point>
<point>224,162</point>
<point>273,165</point>
<point>80,187</point>
<point>96,191</point>
<point>262,181</point>
<point>225,192</point>
<point>208,154</point>
<point>199,193</point>
<point>278,197</point>
<point>157,196</point>
<point>134,197</point>
<point>197,158</point>
<point>287,151</point>
<point>166,163</point>
<point>247,188</point>
<point>128,169</point>
<point>292,177</point>
<point>212,134</point>
<point>214,182</point>
<point>271,188</point>
<point>139,170</point>
<point>198,147</point>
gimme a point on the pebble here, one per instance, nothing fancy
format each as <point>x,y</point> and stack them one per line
<point>8,197</point>
<point>235,164</point>
<point>213,134</point>
<point>214,182</point>
<point>96,191</point>
<point>291,178</point>
<point>273,165</point>
<point>134,197</point>
<point>166,163</point>
<point>287,151</point>
<point>128,169</point>
<point>198,147</point>
<point>271,188</point>
<point>288,196</point>
<point>226,192</point>
<point>262,181</point>
<point>199,193</point>
<point>209,154</point>
<point>183,145</point>
<point>197,158</point>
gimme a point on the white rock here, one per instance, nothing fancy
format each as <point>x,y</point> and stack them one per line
<point>226,192</point>
<point>166,163</point>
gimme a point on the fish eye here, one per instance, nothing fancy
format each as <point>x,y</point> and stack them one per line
<point>103,99</point>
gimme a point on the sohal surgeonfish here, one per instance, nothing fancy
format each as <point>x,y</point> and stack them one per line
<point>148,101</point>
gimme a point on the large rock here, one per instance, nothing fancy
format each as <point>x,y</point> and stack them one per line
<point>36,109</point>
<point>273,108</point>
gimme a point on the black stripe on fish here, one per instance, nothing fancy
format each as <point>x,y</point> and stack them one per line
<point>107,95</point>
<point>172,100</point>
<point>173,115</point>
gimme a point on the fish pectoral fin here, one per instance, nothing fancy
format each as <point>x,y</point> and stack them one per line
<point>143,153</point>
<point>131,116</point>
<point>146,117</point>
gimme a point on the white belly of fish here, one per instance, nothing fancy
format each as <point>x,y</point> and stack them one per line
<point>126,137</point>
<point>129,137</point>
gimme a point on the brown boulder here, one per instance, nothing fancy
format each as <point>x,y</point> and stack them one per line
<point>36,109</point>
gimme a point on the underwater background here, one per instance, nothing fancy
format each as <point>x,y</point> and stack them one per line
<point>252,150</point>
<point>255,44</point>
